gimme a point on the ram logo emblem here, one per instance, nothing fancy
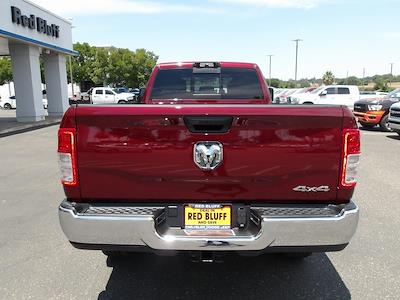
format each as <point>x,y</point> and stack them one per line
<point>208,155</point>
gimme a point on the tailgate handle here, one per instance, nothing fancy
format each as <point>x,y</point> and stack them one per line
<point>208,124</point>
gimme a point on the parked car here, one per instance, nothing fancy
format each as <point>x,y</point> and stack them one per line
<point>195,175</point>
<point>105,95</point>
<point>372,95</point>
<point>45,103</point>
<point>299,91</point>
<point>10,102</point>
<point>277,95</point>
<point>121,90</point>
<point>282,98</point>
<point>394,117</point>
<point>372,112</point>
<point>135,91</point>
<point>331,94</point>
<point>85,96</point>
<point>44,99</point>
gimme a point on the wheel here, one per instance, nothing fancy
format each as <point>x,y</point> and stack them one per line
<point>7,106</point>
<point>308,103</point>
<point>297,255</point>
<point>367,125</point>
<point>122,102</point>
<point>384,123</point>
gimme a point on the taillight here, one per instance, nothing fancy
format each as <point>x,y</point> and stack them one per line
<point>67,155</point>
<point>351,157</point>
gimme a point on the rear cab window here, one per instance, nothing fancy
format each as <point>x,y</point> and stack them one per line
<point>343,91</point>
<point>207,83</point>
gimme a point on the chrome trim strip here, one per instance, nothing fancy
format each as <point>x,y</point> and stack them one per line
<point>274,232</point>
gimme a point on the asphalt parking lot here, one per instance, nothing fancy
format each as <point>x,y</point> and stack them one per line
<point>37,262</point>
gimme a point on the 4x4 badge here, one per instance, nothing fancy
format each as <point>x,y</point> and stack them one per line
<point>310,189</point>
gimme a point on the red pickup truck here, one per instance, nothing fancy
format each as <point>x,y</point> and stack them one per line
<point>207,164</point>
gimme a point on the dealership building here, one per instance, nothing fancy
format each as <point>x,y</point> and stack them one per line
<point>29,32</point>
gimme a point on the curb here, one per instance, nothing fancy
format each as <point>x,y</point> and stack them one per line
<point>21,128</point>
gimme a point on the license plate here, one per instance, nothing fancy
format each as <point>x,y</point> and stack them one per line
<point>207,217</point>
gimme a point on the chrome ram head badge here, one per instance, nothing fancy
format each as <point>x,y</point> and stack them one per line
<point>208,155</point>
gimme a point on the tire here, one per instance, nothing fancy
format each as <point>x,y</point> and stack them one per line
<point>367,125</point>
<point>122,102</point>
<point>384,123</point>
<point>308,103</point>
<point>297,255</point>
<point>7,106</point>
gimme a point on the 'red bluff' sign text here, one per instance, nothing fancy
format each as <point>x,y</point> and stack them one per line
<point>33,22</point>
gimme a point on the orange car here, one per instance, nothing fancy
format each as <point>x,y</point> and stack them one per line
<point>372,112</point>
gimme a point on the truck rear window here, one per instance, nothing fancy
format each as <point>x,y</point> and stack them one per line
<point>224,83</point>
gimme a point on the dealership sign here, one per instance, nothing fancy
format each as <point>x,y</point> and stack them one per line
<point>25,22</point>
<point>34,23</point>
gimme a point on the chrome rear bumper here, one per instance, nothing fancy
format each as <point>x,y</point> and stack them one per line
<point>278,227</point>
<point>394,124</point>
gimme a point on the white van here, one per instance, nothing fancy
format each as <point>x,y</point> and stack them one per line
<point>330,94</point>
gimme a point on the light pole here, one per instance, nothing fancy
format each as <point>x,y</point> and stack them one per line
<point>297,52</point>
<point>270,67</point>
<point>363,80</point>
<point>391,74</point>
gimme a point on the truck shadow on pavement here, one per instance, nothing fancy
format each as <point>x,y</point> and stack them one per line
<point>145,276</point>
<point>394,137</point>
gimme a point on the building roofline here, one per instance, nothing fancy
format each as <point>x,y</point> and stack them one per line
<point>25,39</point>
<point>47,11</point>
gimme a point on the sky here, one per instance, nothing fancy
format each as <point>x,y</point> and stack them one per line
<point>343,36</point>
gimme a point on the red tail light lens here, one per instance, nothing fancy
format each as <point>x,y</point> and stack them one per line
<point>67,156</point>
<point>351,157</point>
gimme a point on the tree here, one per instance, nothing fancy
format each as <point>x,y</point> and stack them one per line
<point>121,67</point>
<point>352,80</point>
<point>303,83</point>
<point>276,83</point>
<point>290,85</point>
<point>113,66</point>
<point>144,64</point>
<point>381,84</point>
<point>328,78</point>
<point>82,64</point>
<point>5,70</point>
<point>100,67</point>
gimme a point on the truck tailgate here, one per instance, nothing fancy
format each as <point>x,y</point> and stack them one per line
<point>145,153</point>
